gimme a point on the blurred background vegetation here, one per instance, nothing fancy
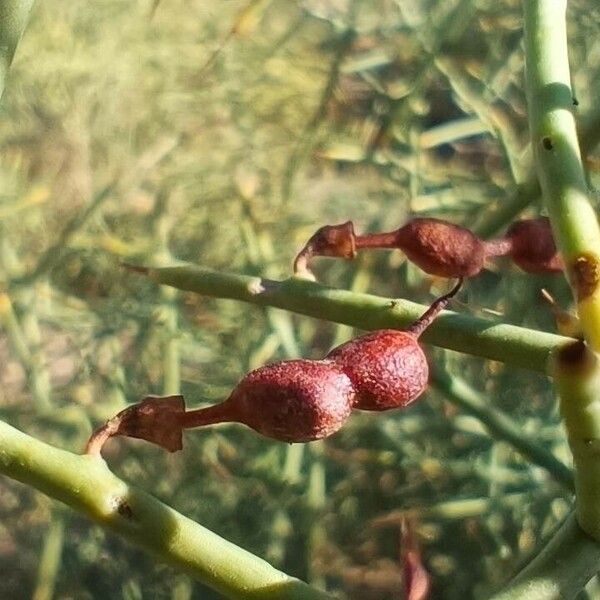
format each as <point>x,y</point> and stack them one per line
<point>224,133</point>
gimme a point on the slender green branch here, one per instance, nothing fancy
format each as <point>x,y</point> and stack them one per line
<point>53,255</point>
<point>514,345</point>
<point>461,508</point>
<point>560,571</point>
<point>171,361</point>
<point>557,156</point>
<point>31,360</point>
<point>86,484</point>
<point>529,191</point>
<point>50,558</point>
<point>310,133</point>
<point>501,426</point>
<point>509,209</point>
<point>13,19</point>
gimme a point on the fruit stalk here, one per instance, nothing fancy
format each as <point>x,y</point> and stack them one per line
<point>427,318</point>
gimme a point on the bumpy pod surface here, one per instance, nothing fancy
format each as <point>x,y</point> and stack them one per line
<point>533,247</point>
<point>388,368</point>
<point>441,248</point>
<point>294,400</point>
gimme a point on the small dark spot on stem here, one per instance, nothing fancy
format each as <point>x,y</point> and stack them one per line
<point>575,101</point>
<point>125,510</point>
<point>586,272</point>
<point>573,353</point>
<point>547,143</point>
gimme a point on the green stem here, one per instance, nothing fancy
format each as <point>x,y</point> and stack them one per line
<point>463,508</point>
<point>171,350</point>
<point>86,484</point>
<point>51,558</point>
<point>575,225</point>
<point>31,360</point>
<point>517,346</point>
<point>56,253</point>
<point>529,191</point>
<point>577,378</point>
<point>502,427</point>
<point>509,209</point>
<point>13,19</point>
<point>316,501</point>
<point>560,571</point>
<point>557,156</point>
<point>169,312</point>
<point>310,134</point>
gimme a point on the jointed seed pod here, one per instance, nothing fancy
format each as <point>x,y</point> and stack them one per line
<point>290,401</point>
<point>296,400</point>
<point>388,367</point>
<point>441,248</point>
<point>532,246</point>
<point>436,246</point>
<point>336,241</point>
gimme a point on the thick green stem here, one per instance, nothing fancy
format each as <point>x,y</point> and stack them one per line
<point>13,19</point>
<point>560,571</point>
<point>560,170</point>
<point>517,346</point>
<point>86,484</point>
<point>558,159</point>
<point>577,378</point>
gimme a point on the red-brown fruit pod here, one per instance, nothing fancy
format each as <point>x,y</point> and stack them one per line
<point>291,401</point>
<point>388,368</point>
<point>532,246</point>
<point>441,248</point>
<point>337,241</point>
